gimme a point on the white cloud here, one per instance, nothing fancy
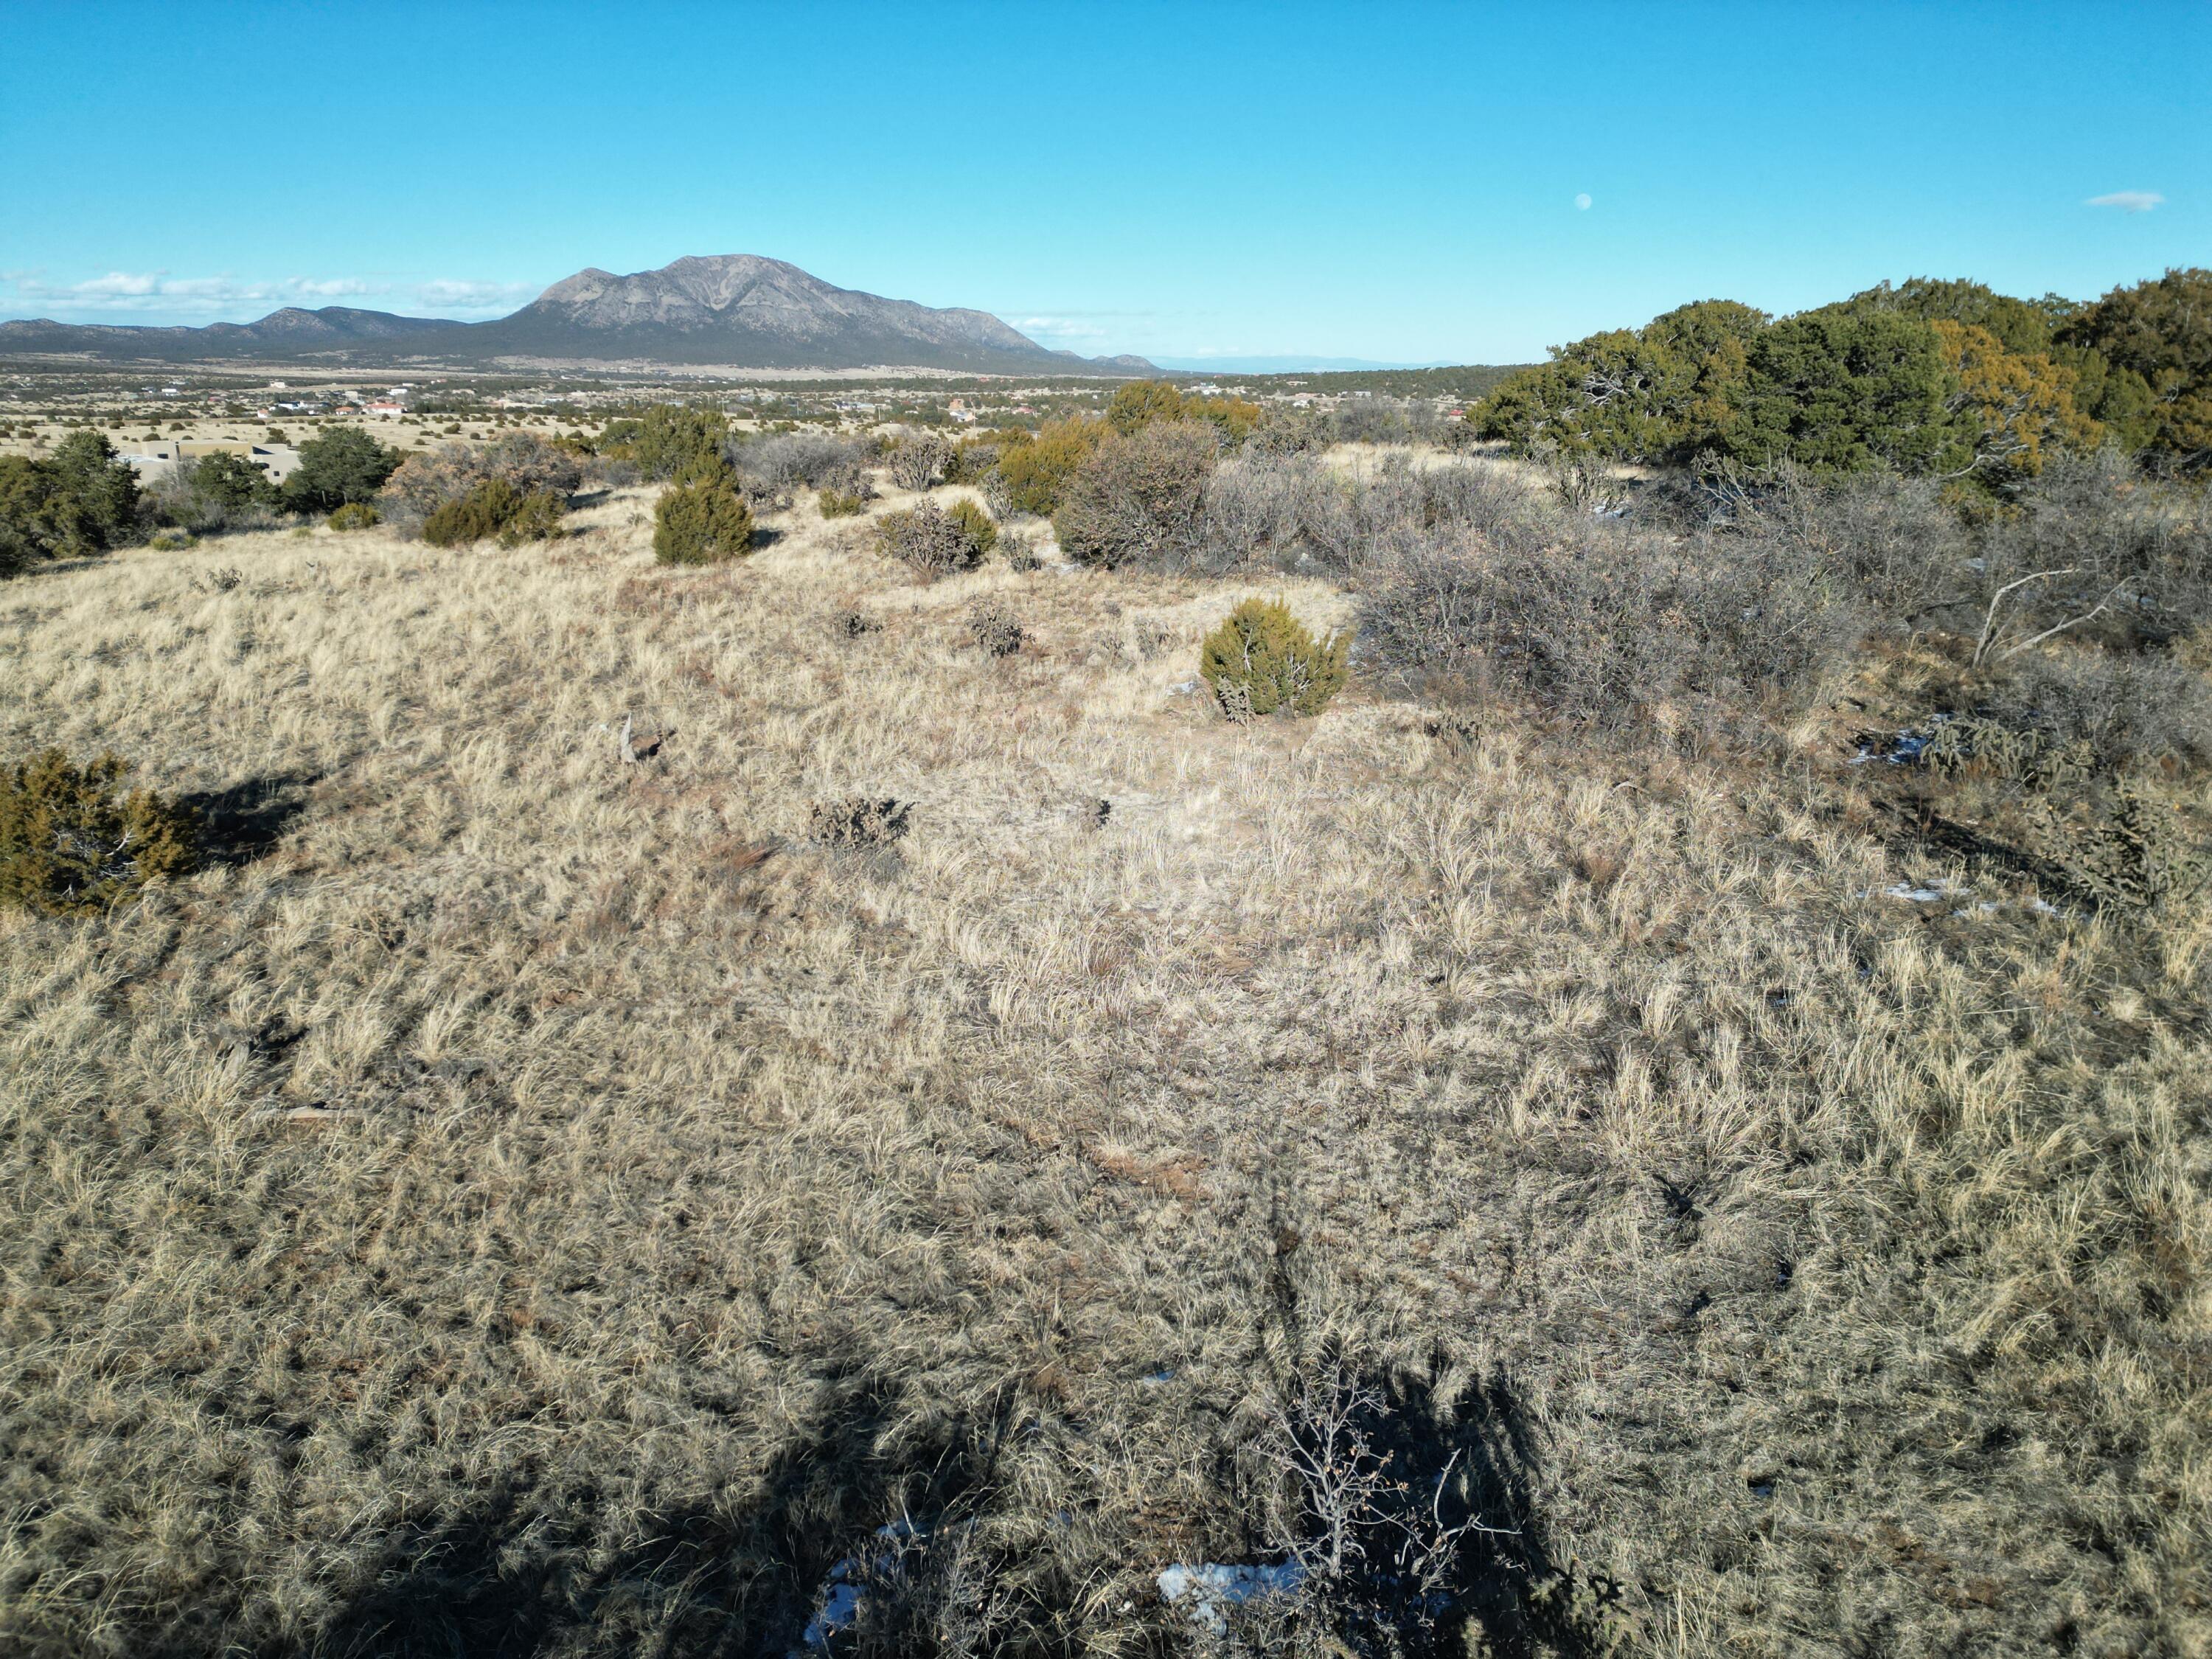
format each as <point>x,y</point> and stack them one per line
<point>337,287</point>
<point>119,284</point>
<point>1059,328</point>
<point>157,294</point>
<point>449,294</point>
<point>2128,201</point>
<point>1583,201</point>
<point>156,291</point>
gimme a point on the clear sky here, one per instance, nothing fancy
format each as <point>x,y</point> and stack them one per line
<point>1398,183</point>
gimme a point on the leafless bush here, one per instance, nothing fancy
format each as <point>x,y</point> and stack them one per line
<point>786,461</point>
<point>1582,483</point>
<point>929,540</point>
<point>609,471</point>
<point>2095,553</point>
<point>522,460</point>
<point>2131,710</point>
<point>173,501</point>
<point>939,1592</point>
<point>1137,500</point>
<point>1899,546</point>
<point>1019,550</point>
<point>858,821</point>
<point>1597,626</point>
<point>1382,421</point>
<point>1258,505</point>
<point>1384,1518</point>
<point>1292,512</point>
<point>993,628</point>
<point>920,462</point>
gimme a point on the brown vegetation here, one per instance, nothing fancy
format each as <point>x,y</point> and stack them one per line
<point>510,1199</point>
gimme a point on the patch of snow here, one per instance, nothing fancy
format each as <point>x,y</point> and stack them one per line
<point>839,1609</point>
<point>1934,893</point>
<point>841,1597</point>
<point>1905,750</point>
<point>1211,1586</point>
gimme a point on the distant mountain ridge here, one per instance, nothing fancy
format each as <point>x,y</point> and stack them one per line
<point>737,310</point>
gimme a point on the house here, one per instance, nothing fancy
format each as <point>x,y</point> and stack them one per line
<point>155,458</point>
<point>384,409</point>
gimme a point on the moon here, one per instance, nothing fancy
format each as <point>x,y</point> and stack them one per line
<point>1582,202</point>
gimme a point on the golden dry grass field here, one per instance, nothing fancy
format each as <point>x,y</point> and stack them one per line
<point>513,1201</point>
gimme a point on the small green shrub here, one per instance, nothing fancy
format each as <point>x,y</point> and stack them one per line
<point>343,465</point>
<point>841,504</point>
<point>1264,659</point>
<point>355,515</point>
<point>229,483</point>
<point>80,500</point>
<point>703,523</point>
<point>482,512</point>
<point>975,524</point>
<point>70,844</point>
<point>171,541</point>
<point>536,519</point>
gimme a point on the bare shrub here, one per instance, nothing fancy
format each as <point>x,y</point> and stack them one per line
<point>1382,421</point>
<point>1598,628</point>
<point>1138,499</point>
<point>2128,710</point>
<point>920,462</point>
<point>994,629</point>
<point>1291,511</point>
<point>1019,550</point>
<point>859,821</point>
<point>2095,552</point>
<point>786,461</point>
<point>522,462</point>
<point>1904,551</point>
<point>929,540</point>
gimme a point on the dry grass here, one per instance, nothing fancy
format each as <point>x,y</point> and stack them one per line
<point>520,1202</point>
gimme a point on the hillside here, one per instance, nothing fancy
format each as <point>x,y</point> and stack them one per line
<point>738,311</point>
<point>519,1202</point>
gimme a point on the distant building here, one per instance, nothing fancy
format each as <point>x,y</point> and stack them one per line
<point>384,409</point>
<point>155,458</point>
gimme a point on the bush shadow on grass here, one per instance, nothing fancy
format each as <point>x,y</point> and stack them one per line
<point>544,1562</point>
<point>244,821</point>
<point>1463,1467</point>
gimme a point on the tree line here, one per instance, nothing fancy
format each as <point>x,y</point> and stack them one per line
<point>1943,378</point>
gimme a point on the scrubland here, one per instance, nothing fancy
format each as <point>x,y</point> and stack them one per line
<point>515,1201</point>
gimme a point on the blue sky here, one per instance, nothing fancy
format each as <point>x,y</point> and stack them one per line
<point>1398,183</point>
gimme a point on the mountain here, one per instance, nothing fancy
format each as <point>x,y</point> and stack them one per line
<point>737,310</point>
<point>288,332</point>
